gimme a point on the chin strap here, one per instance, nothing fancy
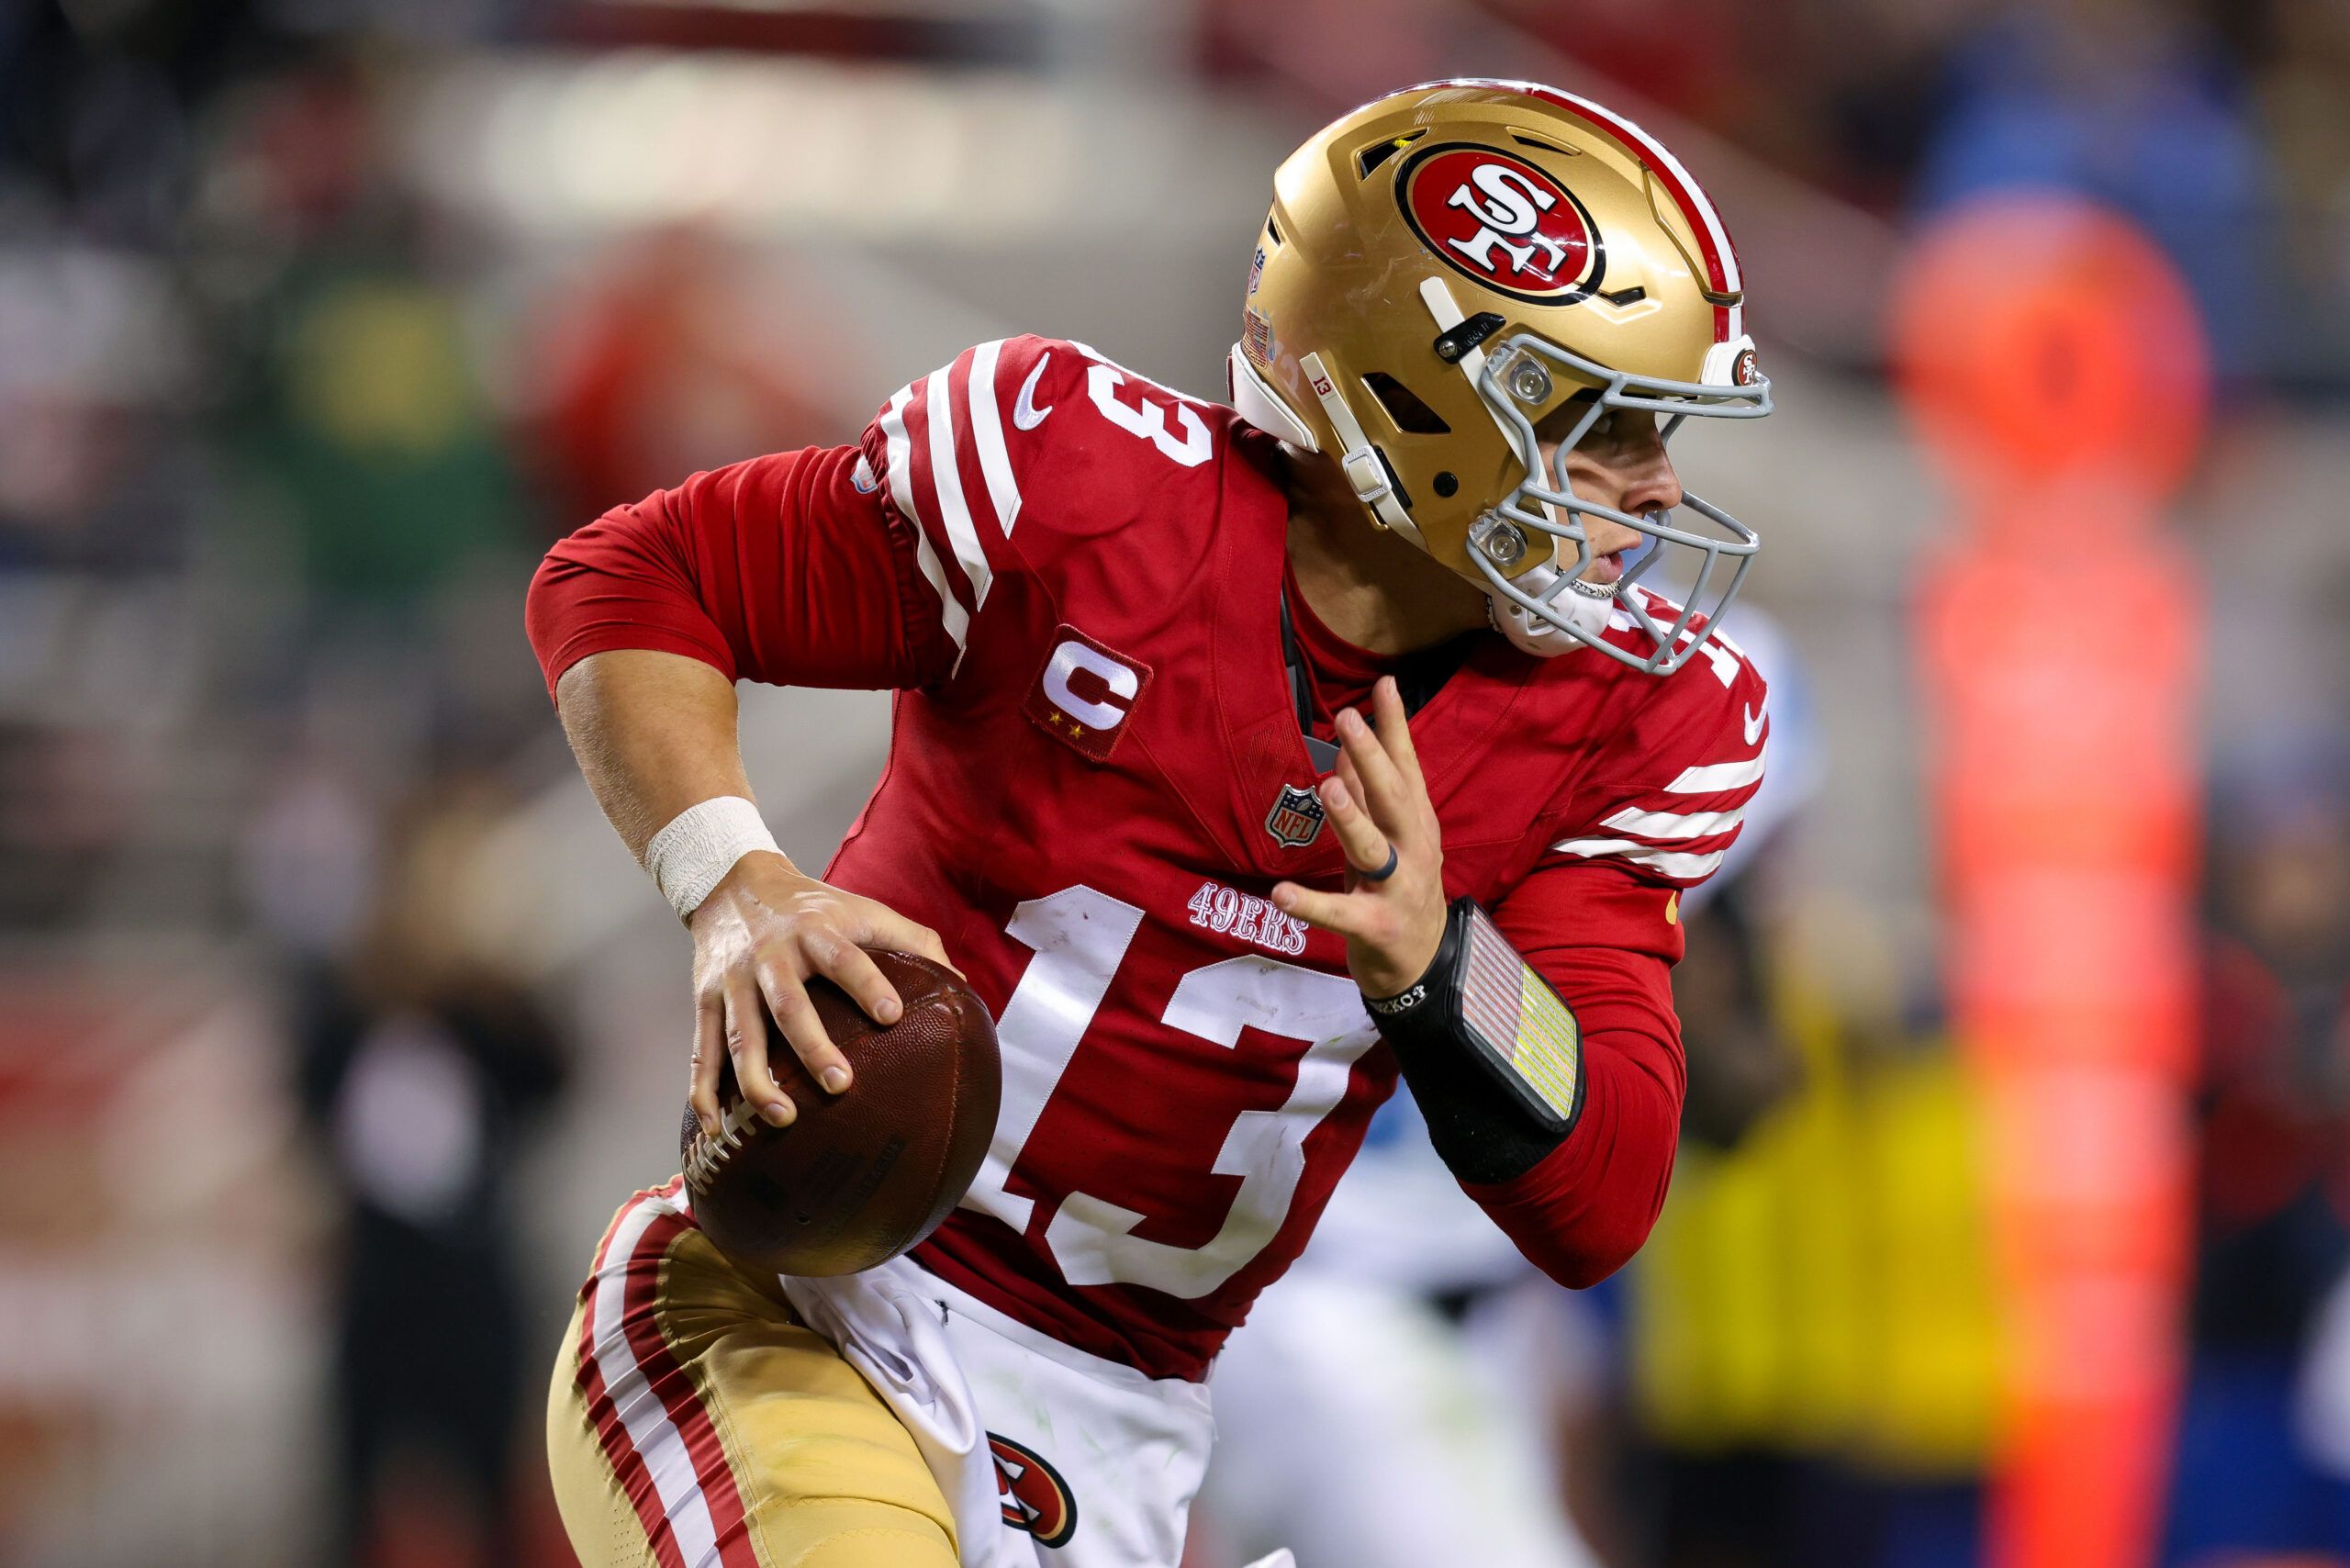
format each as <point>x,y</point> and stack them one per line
<point>1374,487</point>
<point>1544,639</point>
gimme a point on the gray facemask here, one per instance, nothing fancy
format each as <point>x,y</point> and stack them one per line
<point>1548,608</point>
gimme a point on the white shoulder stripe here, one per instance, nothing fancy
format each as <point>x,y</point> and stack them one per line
<point>1674,824</point>
<point>1716,777</point>
<point>947,478</point>
<point>987,433</point>
<point>1672,863</point>
<point>900,453</point>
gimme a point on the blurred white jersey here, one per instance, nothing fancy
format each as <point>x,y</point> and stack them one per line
<point>1399,1218</point>
<point>1359,1426</point>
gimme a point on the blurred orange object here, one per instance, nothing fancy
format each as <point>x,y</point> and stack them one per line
<point>2057,368</point>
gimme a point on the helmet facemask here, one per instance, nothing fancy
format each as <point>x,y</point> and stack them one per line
<point>1548,608</point>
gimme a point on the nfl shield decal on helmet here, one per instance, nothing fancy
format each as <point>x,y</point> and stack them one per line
<point>1295,818</point>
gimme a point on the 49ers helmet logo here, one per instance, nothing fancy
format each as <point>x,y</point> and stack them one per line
<point>1499,219</point>
<point>1031,1493</point>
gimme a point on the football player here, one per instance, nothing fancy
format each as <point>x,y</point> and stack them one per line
<point>1245,757</point>
<point>1490,1377</point>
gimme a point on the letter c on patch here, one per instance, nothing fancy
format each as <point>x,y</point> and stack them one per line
<point>1072,656</point>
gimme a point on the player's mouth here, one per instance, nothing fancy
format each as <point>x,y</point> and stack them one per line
<point>1600,579</point>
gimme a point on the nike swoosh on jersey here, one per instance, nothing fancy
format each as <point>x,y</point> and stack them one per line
<point>1024,412</point>
<point>1754,723</point>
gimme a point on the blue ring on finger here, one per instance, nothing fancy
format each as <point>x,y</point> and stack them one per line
<point>1395,858</point>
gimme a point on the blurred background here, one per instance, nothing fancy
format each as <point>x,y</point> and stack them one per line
<point>334,1022</point>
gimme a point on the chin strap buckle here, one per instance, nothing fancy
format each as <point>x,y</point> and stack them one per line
<point>1367,474</point>
<point>1373,483</point>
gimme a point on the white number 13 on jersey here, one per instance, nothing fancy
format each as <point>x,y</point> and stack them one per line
<point>1079,936</point>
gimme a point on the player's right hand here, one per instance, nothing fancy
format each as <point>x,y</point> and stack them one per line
<point>763,932</point>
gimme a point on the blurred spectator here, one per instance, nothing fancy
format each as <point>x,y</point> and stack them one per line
<point>2304,94</point>
<point>1813,1329</point>
<point>670,359</point>
<point>423,1068</point>
<point>2273,1114</point>
<point>2133,105</point>
<point>1810,1329</point>
<point>364,426</point>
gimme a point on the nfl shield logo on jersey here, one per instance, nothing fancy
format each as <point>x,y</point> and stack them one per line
<point>1295,818</point>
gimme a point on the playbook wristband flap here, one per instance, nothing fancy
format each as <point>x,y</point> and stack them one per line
<point>1483,1006</point>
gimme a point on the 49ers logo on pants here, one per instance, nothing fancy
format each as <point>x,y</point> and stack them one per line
<point>1033,1496</point>
<point>1085,693</point>
<point>1503,222</point>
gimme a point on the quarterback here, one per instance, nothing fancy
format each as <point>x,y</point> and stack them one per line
<point>1246,758</point>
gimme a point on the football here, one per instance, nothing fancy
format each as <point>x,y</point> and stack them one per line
<point>860,1176</point>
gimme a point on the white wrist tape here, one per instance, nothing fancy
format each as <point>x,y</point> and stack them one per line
<point>700,845</point>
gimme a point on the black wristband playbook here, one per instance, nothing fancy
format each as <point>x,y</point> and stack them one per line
<point>1494,1057</point>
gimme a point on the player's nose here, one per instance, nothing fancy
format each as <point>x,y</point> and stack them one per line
<point>1651,482</point>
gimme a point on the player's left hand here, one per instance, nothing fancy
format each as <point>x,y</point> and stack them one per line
<point>1379,804</point>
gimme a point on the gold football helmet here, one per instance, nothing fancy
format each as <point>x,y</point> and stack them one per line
<point>1451,265</point>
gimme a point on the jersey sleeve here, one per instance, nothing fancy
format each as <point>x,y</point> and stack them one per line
<point>1018,456</point>
<point>1662,804</point>
<point>1581,1213</point>
<point>942,448</point>
<point>786,568</point>
<point>1599,918</point>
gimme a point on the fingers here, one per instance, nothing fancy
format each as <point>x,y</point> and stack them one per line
<point>1346,770</point>
<point>746,1043</point>
<point>888,928</point>
<point>1365,846</point>
<point>755,954</point>
<point>709,1049</point>
<point>1396,732</point>
<point>1381,788</point>
<point>786,994</point>
<point>1348,914</point>
<point>848,967</point>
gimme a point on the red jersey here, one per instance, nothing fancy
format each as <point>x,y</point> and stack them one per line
<point>1074,575</point>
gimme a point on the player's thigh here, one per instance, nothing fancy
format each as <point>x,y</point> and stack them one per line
<point>688,1409</point>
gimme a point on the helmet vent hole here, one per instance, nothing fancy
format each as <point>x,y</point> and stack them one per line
<point>1378,153</point>
<point>1544,143</point>
<point>1445,484</point>
<point>1409,415</point>
<point>1273,229</point>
